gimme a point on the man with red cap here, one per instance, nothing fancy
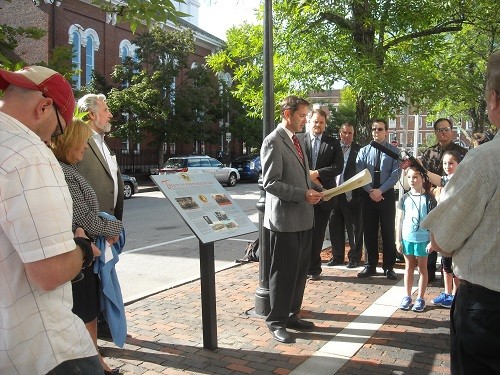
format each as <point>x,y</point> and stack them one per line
<point>39,254</point>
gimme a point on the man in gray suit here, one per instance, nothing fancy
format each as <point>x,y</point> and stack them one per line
<point>100,168</point>
<point>326,161</point>
<point>289,217</point>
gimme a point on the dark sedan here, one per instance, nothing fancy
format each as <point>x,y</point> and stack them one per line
<point>130,186</point>
<point>248,166</point>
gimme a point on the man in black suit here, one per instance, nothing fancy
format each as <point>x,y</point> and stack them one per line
<point>346,213</point>
<point>326,162</point>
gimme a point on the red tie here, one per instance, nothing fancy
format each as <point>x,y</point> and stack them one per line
<point>297,146</point>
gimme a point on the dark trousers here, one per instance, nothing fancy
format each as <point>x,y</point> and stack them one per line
<point>381,213</point>
<point>290,253</point>
<point>79,366</point>
<point>475,331</point>
<point>346,216</point>
<point>431,264</point>
<point>318,236</point>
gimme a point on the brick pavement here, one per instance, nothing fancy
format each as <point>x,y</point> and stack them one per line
<point>166,330</point>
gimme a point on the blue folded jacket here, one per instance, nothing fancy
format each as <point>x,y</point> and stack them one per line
<point>111,300</point>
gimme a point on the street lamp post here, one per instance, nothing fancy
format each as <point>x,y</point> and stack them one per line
<point>226,82</point>
<point>262,304</point>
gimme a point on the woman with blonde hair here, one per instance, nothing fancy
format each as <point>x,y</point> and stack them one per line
<point>69,148</point>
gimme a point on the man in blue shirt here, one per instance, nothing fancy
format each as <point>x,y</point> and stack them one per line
<point>378,202</point>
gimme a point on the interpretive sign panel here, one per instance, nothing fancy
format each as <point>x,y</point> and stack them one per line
<point>206,207</point>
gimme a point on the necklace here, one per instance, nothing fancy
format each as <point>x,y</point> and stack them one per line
<point>416,220</point>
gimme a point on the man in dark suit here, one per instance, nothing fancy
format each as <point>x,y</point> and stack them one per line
<point>289,216</point>
<point>100,168</point>
<point>346,213</point>
<point>325,160</point>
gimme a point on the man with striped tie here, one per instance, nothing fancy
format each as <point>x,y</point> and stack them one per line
<point>289,217</point>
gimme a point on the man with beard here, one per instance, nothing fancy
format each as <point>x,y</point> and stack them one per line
<point>100,168</point>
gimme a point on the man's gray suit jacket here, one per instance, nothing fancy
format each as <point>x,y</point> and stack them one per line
<point>285,179</point>
<point>96,171</point>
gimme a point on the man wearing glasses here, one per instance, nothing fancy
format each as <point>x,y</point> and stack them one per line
<point>39,255</point>
<point>432,160</point>
<point>432,157</point>
<point>378,202</point>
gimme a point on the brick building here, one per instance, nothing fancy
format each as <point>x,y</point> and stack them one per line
<point>99,43</point>
<point>401,124</point>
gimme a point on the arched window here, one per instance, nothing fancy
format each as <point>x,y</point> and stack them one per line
<point>76,60</point>
<point>89,59</point>
<point>91,44</point>
<point>75,39</point>
<point>125,49</point>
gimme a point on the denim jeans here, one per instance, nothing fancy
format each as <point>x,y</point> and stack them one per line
<point>79,366</point>
<point>475,330</point>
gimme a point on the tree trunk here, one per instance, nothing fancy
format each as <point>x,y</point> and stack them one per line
<point>363,125</point>
<point>161,160</point>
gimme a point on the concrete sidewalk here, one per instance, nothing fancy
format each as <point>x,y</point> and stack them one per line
<point>359,330</point>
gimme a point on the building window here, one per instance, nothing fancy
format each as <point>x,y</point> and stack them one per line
<point>137,149</point>
<point>91,44</point>
<point>419,138</point>
<point>76,61</point>
<point>125,146</point>
<point>428,123</point>
<point>75,39</point>
<point>89,59</point>
<point>392,123</point>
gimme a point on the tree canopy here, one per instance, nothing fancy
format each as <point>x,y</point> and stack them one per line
<point>391,53</point>
<point>161,95</point>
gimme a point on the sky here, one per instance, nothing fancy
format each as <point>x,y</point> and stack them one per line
<point>216,16</point>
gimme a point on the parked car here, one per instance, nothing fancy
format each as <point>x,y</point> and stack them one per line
<point>248,166</point>
<point>201,164</point>
<point>130,186</point>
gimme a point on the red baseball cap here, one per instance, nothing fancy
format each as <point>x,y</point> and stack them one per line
<point>52,84</point>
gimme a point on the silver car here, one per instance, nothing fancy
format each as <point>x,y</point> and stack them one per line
<point>201,164</point>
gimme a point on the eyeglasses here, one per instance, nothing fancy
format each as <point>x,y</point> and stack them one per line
<point>378,129</point>
<point>59,130</point>
<point>443,130</point>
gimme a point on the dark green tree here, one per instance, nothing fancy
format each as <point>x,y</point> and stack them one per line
<point>385,50</point>
<point>155,100</point>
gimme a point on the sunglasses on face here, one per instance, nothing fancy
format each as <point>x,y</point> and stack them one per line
<point>378,129</point>
<point>59,130</point>
<point>443,130</point>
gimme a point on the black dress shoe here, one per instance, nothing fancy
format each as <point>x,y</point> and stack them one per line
<point>367,272</point>
<point>313,277</point>
<point>112,372</point>
<point>352,264</point>
<point>299,324</point>
<point>390,274</point>
<point>335,262</point>
<point>282,335</point>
